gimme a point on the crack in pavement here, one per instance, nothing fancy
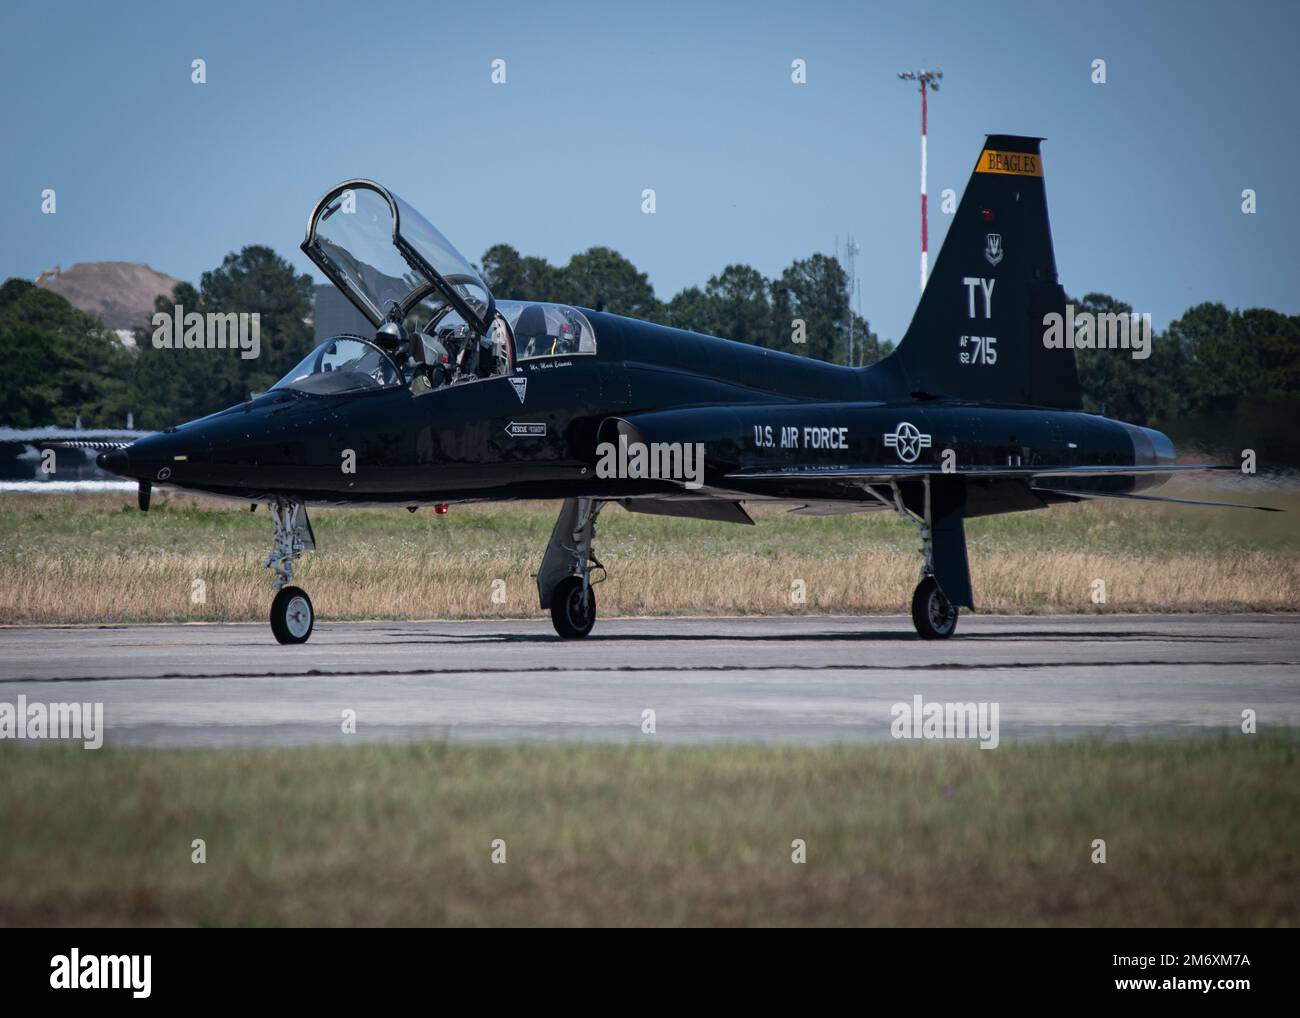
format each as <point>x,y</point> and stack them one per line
<point>698,669</point>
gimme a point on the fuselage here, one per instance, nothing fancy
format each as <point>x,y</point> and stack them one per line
<point>495,439</point>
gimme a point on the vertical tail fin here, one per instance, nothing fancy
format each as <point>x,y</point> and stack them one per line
<point>978,330</point>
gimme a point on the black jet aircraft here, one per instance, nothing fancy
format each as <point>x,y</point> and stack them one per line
<point>458,397</point>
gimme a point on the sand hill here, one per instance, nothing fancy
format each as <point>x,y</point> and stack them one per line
<point>121,294</point>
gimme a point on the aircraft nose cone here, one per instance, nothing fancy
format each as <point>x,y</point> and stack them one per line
<point>114,461</point>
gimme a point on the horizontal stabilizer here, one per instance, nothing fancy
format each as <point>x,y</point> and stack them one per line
<point>1154,498</point>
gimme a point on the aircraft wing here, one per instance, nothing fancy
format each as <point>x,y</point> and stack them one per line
<point>691,509</point>
<point>790,477</point>
<point>1004,488</point>
<point>899,472</point>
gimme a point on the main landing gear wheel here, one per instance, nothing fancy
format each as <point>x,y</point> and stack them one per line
<point>572,614</point>
<point>564,577</point>
<point>292,617</point>
<point>934,616</point>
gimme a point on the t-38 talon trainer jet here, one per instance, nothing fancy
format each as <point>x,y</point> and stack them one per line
<point>458,397</point>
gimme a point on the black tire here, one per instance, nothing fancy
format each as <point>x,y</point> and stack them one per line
<point>934,616</point>
<point>571,616</point>
<point>292,616</point>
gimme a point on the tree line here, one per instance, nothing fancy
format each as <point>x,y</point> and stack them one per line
<point>738,303</point>
<point>1216,377</point>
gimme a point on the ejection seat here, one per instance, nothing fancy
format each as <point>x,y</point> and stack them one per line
<point>531,336</point>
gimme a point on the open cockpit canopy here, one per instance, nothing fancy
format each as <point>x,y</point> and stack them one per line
<point>386,257</point>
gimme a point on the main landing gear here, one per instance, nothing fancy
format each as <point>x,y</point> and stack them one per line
<point>564,577</point>
<point>292,615</point>
<point>934,616</point>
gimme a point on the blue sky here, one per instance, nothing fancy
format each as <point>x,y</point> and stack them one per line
<point>1144,174</point>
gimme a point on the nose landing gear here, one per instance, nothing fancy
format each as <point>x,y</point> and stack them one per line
<point>934,616</point>
<point>292,614</point>
<point>573,607</point>
<point>292,617</point>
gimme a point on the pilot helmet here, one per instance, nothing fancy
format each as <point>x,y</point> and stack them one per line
<point>391,337</point>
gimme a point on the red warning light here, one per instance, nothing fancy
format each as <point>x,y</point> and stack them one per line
<point>440,509</point>
<point>987,214</point>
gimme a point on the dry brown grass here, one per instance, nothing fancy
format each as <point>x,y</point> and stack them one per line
<point>94,560</point>
<point>116,587</point>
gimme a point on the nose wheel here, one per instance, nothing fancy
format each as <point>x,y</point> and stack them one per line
<point>292,616</point>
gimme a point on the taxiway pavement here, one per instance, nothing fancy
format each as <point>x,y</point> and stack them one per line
<point>807,679</point>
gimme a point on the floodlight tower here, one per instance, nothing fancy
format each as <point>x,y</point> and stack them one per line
<point>927,80</point>
<point>851,252</point>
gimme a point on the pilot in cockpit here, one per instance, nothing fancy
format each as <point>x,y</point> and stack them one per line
<point>391,338</point>
<point>454,338</point>
<point>455,353</point>
<point>482,356</point>
<point>567,340</point>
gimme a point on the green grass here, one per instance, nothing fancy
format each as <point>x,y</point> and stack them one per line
<point>1198,833</point>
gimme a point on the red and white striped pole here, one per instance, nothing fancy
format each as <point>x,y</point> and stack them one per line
<point>925,251</point>
<point>928,80</point>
